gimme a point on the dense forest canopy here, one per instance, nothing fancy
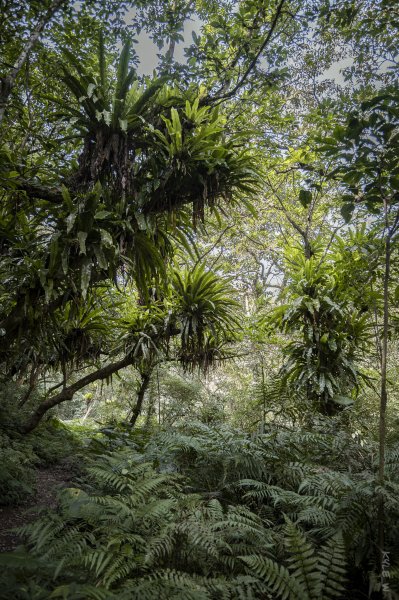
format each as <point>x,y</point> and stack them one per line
<point>199,235</point>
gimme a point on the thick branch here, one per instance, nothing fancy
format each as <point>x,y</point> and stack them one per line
<point>41,192</point>
<point>68,392</point>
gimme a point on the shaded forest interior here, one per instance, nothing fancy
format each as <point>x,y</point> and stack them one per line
<point>199,300</point>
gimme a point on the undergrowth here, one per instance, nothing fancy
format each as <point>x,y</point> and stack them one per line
<point>211,513</point>
<point>21,455</point>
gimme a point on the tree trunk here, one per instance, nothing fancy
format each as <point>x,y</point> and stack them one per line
<point>91,405</point>
<point>390,232</point>
<point>151,410</point>
<point>68,392</point>
<point>33,378</point>
<point>383,408</point>
<point>145,380</point>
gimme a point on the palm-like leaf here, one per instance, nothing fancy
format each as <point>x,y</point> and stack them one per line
<point>206,311</point>
<point>333,333</point>
<point>81,332</point>
<point>184,158</point>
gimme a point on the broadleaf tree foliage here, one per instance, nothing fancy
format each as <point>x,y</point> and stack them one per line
<point>199,298</point>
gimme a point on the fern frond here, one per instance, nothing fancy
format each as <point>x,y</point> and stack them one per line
<point>302,562</point>
<point>332,568</point>
<point>277,577</point>
<point>81,592</point>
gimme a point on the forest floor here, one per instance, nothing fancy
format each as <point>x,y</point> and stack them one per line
<point>48,482</point>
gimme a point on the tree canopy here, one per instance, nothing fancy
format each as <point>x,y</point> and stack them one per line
<point>200,255</point>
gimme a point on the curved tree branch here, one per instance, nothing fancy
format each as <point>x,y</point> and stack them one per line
<point>252,64</point>
<point>68,392</point>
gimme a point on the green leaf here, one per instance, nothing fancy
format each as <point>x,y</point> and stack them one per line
<point>85,275</point>
<point>106,238</point>
<point>54,248</point>
<point>347,211</point>
<point>123,67</point>
<point>64,260</point>
<point>305,198</point>
<point>102,261</point>
<point>343,400</point>
<point>250,207</point>
<point>102,214</point>
<point>48,289</point>
<point>70,221</point>
<point>82,236</point>
<point>142,102</point>
<point>66,196</point>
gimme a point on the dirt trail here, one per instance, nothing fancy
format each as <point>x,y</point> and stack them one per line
<point>48,481</point>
